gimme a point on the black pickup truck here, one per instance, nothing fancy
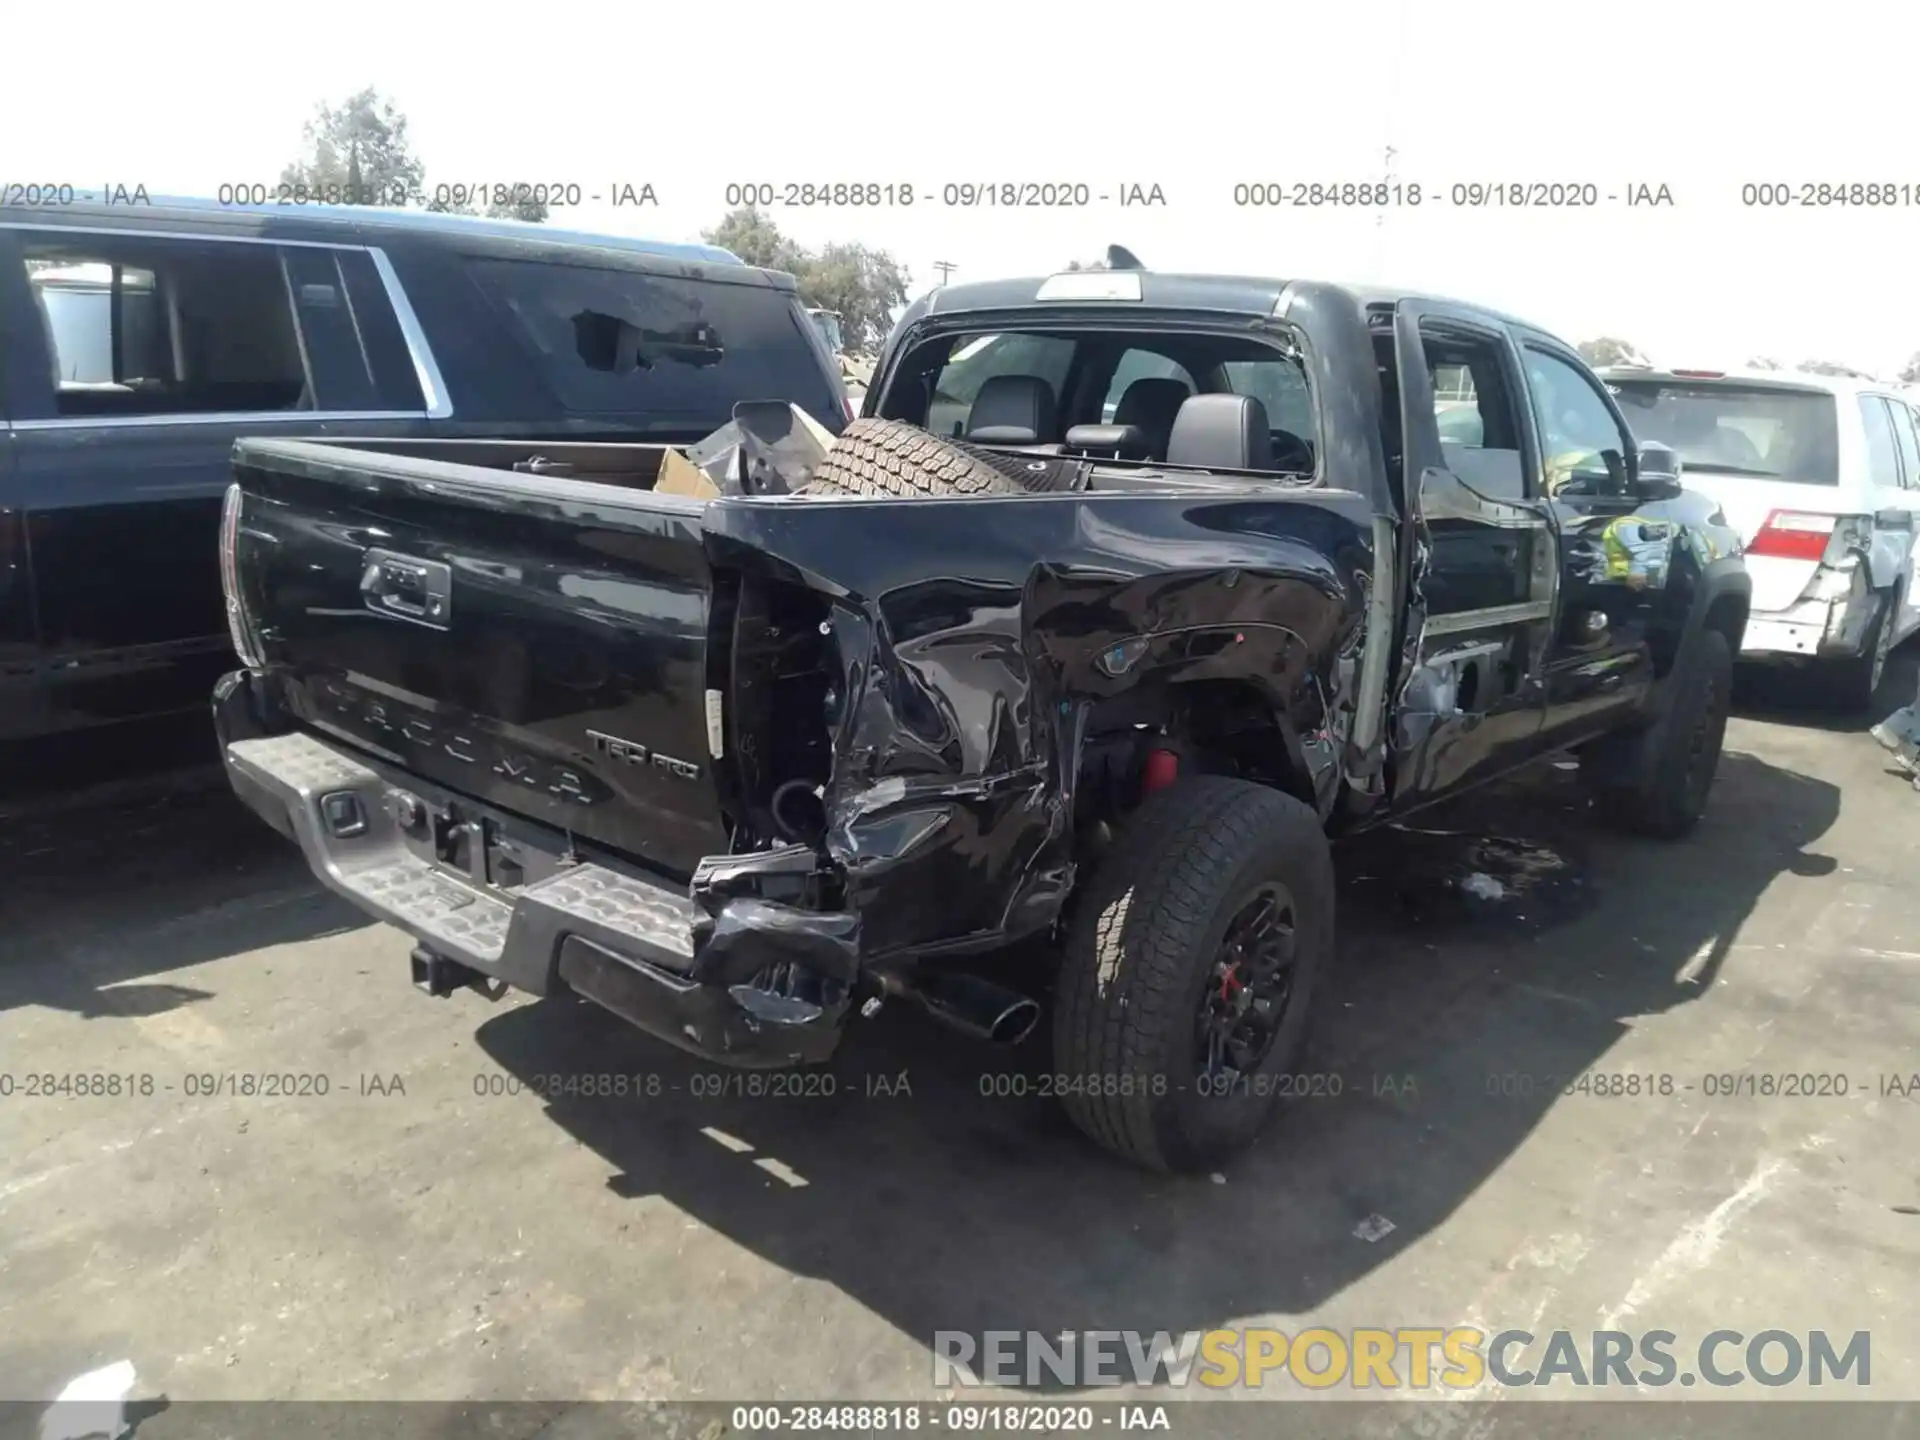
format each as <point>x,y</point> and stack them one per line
<point>1127,591</point>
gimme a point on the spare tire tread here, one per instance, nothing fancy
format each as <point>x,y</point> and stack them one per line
<point>892,458</point>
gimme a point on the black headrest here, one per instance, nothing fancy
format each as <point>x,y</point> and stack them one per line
<point>1152,404</point>
<point>1221,432</point>
<point>1013,410</point>
<point>1129,442</point>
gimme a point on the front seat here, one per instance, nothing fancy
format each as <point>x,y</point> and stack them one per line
<point>1221,432</point>
<point>1151,405</point>
<point>1014,410</point>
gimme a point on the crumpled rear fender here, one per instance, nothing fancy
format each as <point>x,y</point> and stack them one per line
<point>974,638</point>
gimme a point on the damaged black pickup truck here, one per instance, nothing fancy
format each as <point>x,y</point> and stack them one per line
<point>1126,593</point>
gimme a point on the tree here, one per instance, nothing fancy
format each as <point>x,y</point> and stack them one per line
<point>1832,367</point>
<point>358,151</point>
<point>1764,362</point>
<point>526,208</point>
<point>1117,257</point>
<point>1608,350</point>
<point>756,240</point>
<point>1910,372</point>
<point>529,208</point>
<point>863,284</point>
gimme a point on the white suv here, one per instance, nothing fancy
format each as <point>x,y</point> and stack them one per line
<point>1821,477</point>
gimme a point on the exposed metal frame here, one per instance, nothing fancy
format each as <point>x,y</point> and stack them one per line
<point>1461,621</point>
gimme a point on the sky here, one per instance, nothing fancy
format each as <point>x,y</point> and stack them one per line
<point>1698,96</point>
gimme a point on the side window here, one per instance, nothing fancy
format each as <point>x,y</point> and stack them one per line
<point>335,350</point>
<point>143,326</point>
<point>1456,405</point>
<point>1141,365</point>
<point>1475,413</point>
<point>975,360</point>
<point>1582,447</point>
<point>675,350</point>
<point>1883,451</point>
<point>1907,442</point>
<point>382,342</point>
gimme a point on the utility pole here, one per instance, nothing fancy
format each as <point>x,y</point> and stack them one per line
<point>1391,151</point>
<point>946,268</point>
<point>1380,218</point>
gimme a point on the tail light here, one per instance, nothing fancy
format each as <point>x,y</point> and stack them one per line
<point>1792,535</point>
<point>237,631</point>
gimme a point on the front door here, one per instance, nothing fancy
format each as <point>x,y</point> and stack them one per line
<point>1619,553</point>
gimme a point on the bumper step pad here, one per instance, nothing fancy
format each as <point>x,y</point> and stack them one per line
<point>645,914</point>
<point>436,907</point>
<point>623,942</point>
<point>510,934</point>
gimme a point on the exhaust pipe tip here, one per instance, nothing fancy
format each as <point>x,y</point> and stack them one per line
<point>1015,1023</point>
<point>977,1007</point>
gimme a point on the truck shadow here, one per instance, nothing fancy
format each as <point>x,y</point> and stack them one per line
<point>939,1187</point>
<point>99,895</point>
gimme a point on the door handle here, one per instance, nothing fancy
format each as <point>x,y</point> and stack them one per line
<point>405,588</point>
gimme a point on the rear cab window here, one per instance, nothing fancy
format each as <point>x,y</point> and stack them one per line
<point>1767,432</point>
<point>1137,365</point>
<point>981,358</point>
<point>1095,377</point>
<point>676,353</point>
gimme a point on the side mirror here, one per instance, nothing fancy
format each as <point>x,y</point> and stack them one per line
<point>1657,475</point>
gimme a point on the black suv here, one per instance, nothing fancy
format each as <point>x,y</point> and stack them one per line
<point>137,342</point>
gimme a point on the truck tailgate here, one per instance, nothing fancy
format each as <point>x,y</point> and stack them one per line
<point>539,644</point>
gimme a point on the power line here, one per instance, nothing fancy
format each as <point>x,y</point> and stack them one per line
<point>946,268</point>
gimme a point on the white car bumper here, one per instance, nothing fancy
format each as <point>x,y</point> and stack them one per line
<point>1821,627</point>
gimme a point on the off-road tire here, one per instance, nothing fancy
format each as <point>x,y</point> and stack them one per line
<point>1849,686</point>
<point>893,458</point>
<point>1655,782</point>
<point>1141,945</point>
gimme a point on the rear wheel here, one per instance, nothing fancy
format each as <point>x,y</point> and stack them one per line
<point>1190,966</point>
<point>893,458</point>
<point>1849,685</point>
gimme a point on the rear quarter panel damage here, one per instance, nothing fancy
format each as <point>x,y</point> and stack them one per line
<point>967,635</point>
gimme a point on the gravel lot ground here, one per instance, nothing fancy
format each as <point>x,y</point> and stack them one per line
<point>412,1234</point>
